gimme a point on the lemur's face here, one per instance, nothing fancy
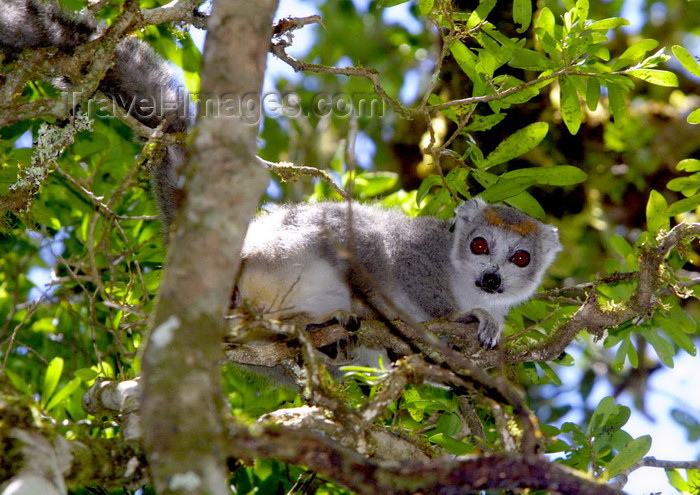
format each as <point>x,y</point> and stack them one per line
<point>504,253</point>
<point>501,263</point>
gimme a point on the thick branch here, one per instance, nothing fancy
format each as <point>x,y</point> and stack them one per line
<point>181,407</point>
<point>440,476</point>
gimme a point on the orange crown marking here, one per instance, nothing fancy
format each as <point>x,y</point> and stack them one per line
<point>524,227</point>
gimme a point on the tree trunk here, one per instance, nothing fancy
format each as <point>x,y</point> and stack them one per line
<point>181,398</point>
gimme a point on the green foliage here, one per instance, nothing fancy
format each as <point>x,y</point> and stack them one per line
<point>687,485</point>
<point>603,446</point>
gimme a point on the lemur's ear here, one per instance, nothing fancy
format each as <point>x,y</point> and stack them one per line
<point>549,243</point>
<point>468,210</point>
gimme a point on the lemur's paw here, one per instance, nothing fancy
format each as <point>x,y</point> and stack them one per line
<point>342,351</point>
<point>489,332</point>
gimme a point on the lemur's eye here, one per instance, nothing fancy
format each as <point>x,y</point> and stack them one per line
<point>521,258</point>
<point>479,246</point>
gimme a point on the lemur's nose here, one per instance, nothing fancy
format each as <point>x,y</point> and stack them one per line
<point>489,282</point>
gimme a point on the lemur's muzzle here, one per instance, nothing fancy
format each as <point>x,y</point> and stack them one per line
<point>490,282</point>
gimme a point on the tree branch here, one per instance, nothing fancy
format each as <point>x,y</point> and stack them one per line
<point>181,406</point>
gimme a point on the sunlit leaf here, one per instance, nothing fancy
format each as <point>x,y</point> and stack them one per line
<point>390,3</point>
<point>484,122</point>
<point>522,14</point>
<point>657,216</point>
<point>558,175</point>
<point>592,93</point>
<point>51,377</point>
<point>655,76</point>
<point>610,23</point>
<point>526,203</point>
<point>605,409</point>
<point>517,144</point>
<point>664,349</point>
<point>466,59</point>
<point>479,15</point>
<point>529,60</point>
<point>570,105</point>
<point>582,9</point>
<point>616,100</point>
<point>634,53</point>
<point>425,6</point>
<point>686,60</point>
<point>506,188</point>
<point>689,165</point>
<point>629,456</point>
<point>694,116</point>
<point>451,445</point>
<point>64,393</point>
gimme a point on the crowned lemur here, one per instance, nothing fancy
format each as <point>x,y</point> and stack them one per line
<point>321,261</point>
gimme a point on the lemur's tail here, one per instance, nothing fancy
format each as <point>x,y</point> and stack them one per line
<point>139,80</point>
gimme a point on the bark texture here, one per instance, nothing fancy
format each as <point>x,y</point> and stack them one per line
<point>181,407</point>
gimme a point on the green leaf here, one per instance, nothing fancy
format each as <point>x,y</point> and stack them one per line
<point>694,116</point>
<point>687,185</point>
<point>582,9</point>
<point>570,106</point>
<point>618,361</point>
<point>688,422</point>
<point>683,205</point>
<point>629,456</point>
<point>544,27</point>
<point>51,377</point>
<point>529,60</point>
<point>677,481</point>
<point>689,165</point>
<point>390,3</point>
<point>616,100</point>
<point>64,393</point>
<point>487,63</point>
<point>592,93</point>
<point>610,23</point>
<point>425,187</point>
<point>457,180</point>
<point>657,216</point>
<point>558,175</point>
<point>621,246</point>
<point>484,122</point>
<point>549,373</point>
<point>480,14</point>
<point>634,54</point>
<point>546,22</point>
<point>599,51</point>
<point>371,184</point>
<point>522,14</point>
<point>86,374</point>
<point>655,76</point>
<point>452,445</point>
<point>664,349</point>
<point>465,59</point>
<point>506,188</point>
<point>678,336</point>
<point>526,203</point>
<point>606,408</point>
<point>686,60</point>
<point>517,144</point>
<point>425,6</point>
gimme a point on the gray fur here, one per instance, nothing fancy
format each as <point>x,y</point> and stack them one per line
<point>295,262</point>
